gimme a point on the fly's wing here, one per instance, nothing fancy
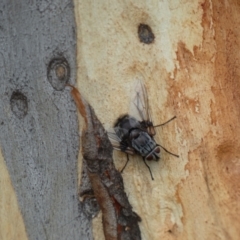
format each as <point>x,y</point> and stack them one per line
<point>140,108</point>
<point>116,141</point>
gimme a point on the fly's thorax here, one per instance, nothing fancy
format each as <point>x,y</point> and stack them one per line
<point>143,143</point>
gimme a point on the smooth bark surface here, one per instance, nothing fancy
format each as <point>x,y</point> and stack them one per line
<point>190,67</point>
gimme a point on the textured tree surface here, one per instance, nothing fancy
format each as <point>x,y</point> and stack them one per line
<point>191,71</point>
<point>38,121</point>
<point>187,52</point>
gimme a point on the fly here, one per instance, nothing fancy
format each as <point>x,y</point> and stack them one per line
<point>135,135</point>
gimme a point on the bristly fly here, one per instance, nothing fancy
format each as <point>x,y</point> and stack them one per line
<point>135,135</point>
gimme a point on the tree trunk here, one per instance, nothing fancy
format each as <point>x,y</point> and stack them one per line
<point>187,54</point>
<point>39,126</point>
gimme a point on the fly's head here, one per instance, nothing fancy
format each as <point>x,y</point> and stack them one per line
<point>154,155</point>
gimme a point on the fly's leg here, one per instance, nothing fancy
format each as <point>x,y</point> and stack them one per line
<point>148,168</point>
<point>166,122</point>
<point>175,155</point>
<point>125,163</point>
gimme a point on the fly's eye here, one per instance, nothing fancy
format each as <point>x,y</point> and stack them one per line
<point>157,150</point>
<point>149,157</point>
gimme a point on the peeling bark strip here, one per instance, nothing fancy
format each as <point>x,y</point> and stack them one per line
<point>119,221</point>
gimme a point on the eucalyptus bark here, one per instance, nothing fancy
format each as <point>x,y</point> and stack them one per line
<point>188,56</point>
<point>39,126</point>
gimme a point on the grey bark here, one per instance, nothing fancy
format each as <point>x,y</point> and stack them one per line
<point>38,121</point>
